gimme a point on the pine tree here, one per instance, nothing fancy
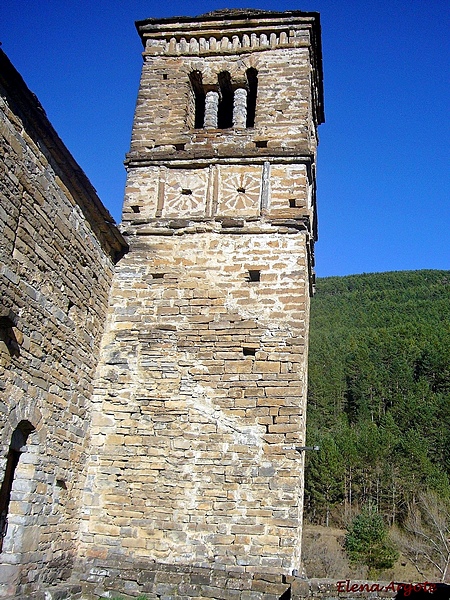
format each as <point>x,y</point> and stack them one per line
<point>367,542</point>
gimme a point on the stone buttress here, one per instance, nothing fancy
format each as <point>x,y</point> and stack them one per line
<point>201,390</point>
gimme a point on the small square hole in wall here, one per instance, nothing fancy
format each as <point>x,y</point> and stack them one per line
<point>61,484</point>
<point>158,275</point>
<point>164,76</point>
<point>249,351</point>
<point>261,144</point>
<point>136,209</point>
<point>254,275</point>
<point>179,147</point>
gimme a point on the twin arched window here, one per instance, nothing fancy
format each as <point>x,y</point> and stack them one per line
<point>226,104</point>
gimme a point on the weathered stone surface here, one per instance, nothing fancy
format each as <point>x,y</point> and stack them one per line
<point>156,433</point>
<point>57,253</point>
<point>204,356</point>
<point>164,581</point>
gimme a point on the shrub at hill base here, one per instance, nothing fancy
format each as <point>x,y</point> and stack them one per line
<point>367,543</point>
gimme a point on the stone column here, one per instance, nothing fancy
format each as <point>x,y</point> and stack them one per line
<point>240,108</point>
<point>211,110</point>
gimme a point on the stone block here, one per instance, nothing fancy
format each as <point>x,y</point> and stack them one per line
<point>264,366</point>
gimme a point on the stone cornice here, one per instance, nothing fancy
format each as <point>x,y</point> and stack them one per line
<point>198,162</point>
<point>236,23</point>
<point>256,226</point>
<point>213,42</point>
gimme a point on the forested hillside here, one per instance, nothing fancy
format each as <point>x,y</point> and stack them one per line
<point>379,393</point>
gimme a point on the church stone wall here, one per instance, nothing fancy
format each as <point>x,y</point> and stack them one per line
<point>57,255</point>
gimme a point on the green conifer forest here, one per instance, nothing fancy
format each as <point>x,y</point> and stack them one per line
<point>379,394</point>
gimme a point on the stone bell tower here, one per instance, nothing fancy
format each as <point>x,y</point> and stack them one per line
<point>200,397</point>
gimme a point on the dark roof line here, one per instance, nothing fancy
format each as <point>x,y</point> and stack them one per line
<point>227,13</point>
<point>36,121</point>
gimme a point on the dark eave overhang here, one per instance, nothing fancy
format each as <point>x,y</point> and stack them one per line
<point>34,119</point>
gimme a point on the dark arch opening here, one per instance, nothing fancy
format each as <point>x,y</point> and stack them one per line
<point>18,440</point>
<point>252,80</point>
<point>199,95</point>
<point>225,114</point>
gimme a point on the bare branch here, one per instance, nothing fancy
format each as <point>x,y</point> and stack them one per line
<point>427,533</point>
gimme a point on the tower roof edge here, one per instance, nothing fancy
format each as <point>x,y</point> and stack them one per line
<point>235,15</point>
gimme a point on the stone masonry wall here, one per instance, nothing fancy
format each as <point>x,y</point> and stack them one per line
<point>131,579</point>
<point>200,393</point>
<point>284,95</point>
<point>56,266</point>
<point>202,384</point>
<point>169,464</point>
<point>153,581</point>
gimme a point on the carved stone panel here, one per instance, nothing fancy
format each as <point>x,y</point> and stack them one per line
<point>239,190</point>
<point>185,193</point>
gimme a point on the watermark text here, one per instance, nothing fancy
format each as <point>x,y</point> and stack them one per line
<point>393,586</point>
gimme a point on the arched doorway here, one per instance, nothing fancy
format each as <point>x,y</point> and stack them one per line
<point>17,447</point>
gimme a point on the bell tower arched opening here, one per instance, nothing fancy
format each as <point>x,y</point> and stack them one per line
<point>225,114</point>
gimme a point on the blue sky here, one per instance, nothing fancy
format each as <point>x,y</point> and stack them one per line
<point>383,172</point>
